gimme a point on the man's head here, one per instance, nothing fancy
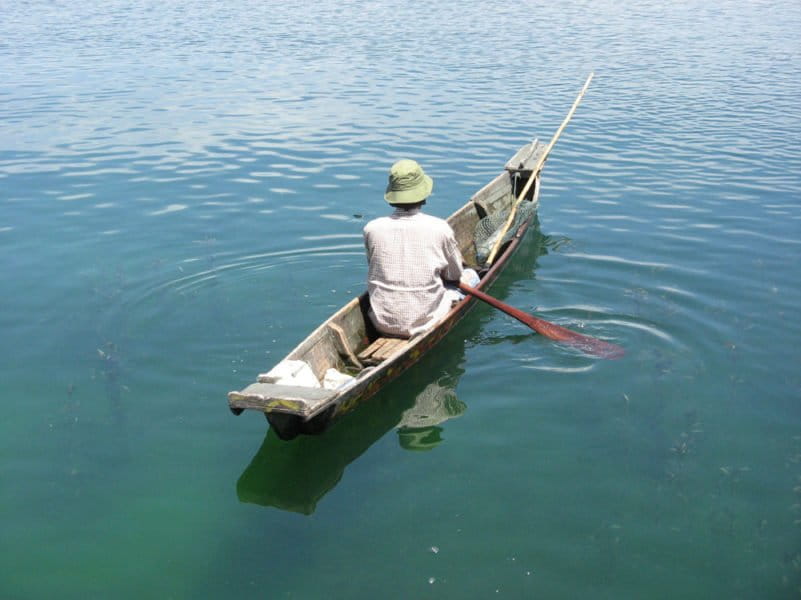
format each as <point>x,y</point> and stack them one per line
<point>408,184</point>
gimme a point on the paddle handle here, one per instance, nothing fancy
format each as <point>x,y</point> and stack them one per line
<point>538,325</point>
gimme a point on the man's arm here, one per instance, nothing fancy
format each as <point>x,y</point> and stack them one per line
<point>453,257</point>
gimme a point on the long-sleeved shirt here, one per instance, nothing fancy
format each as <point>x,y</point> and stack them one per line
<point>409,254</point>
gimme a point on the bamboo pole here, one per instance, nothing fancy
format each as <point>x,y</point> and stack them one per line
<point>535,173</point>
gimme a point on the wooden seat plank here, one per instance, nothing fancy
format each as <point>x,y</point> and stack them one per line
<point>380,350</point>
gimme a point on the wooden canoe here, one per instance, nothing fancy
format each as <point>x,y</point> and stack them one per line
<point>348,342</point>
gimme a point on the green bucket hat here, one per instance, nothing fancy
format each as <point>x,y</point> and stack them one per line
<point>408,184</point>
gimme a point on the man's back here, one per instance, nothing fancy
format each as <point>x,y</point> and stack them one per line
<point>409,255</point>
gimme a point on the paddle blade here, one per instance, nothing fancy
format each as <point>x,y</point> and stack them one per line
<point>585,343</point>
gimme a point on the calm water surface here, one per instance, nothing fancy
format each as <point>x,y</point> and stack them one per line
<point>182,192</point>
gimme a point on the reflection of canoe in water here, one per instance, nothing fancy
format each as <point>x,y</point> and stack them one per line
<point>295,475</point>
<point>347,341</point>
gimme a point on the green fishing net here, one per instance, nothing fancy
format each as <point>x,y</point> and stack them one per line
<point>489,228</point>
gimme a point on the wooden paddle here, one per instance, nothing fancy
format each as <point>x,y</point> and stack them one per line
<point>586,343</point>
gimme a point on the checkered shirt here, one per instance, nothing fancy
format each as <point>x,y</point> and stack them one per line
<point>409,254</point>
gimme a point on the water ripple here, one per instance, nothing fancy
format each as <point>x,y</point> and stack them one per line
<point>184,187</point>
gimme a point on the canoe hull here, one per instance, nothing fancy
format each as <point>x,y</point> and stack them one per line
<point>288,426</point>
<point>337,341</point>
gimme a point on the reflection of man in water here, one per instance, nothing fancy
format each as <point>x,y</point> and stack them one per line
<point>417,429</point>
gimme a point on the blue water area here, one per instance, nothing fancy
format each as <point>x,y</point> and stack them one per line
<point>182,192</point>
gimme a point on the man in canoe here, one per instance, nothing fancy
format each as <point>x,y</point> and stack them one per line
<point>412,256</point>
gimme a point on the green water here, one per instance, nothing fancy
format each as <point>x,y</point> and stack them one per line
<point>182,193</point>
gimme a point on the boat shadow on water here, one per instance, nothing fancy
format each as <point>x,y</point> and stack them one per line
<point>295,475</point>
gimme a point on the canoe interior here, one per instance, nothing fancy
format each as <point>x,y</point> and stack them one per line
<point>340,340</point>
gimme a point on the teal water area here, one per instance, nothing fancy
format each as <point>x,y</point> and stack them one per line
<point>182,192</point>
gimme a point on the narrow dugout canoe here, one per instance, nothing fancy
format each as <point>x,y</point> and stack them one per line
<point>348,342</point>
